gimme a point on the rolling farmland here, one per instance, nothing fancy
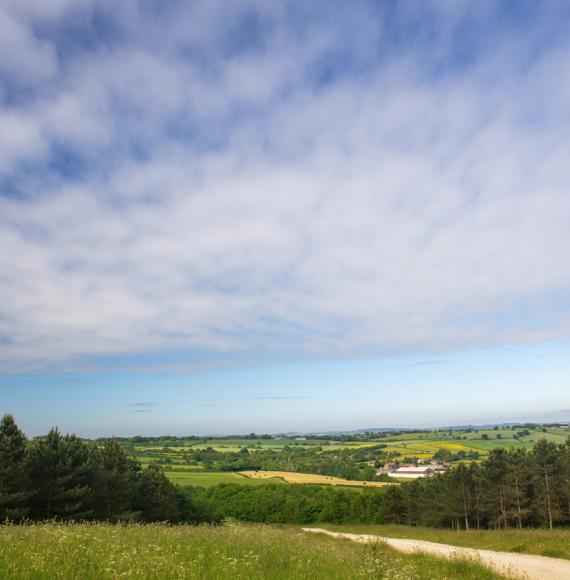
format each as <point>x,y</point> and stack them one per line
<point>208,461</point>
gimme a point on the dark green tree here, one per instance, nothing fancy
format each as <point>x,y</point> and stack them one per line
<point>518,477</point>
<point>565,478</point>
<point>114,482</point>
<point>58,470</point>
<point>13,495</point>
<point>547,474</point>
<point>157,499</point>
<point>494,479</point>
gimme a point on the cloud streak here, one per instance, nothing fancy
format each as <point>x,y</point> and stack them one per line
<point>277,188</point>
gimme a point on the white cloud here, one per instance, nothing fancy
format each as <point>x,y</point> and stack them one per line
<point>236,205</point>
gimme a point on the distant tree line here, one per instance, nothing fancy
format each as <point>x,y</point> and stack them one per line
<point>66,478</point>
<point>510,488</point>
<point>348,463</point>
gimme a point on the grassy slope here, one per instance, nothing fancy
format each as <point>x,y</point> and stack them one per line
<point>555,543</point>
<point>52,551</point>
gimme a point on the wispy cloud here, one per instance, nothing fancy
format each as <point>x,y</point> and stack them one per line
<point>277,398</point>
<point>259,181</point>
<point>142,407</point>
<point>423,363</point>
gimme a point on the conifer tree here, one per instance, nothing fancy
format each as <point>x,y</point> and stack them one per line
<point>113,483</point>
<point>565,478</point>
<point>547,480</point>
<point>13,495</point>
<point>518,477</point>
<point>59,473</point>
<point>157,498</point>
<point>494,478</point>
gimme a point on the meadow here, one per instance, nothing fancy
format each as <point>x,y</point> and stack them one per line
<point>101,551</point>
<point>552,543</point>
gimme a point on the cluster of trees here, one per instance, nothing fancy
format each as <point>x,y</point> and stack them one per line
<point>356,464</point>
<point>447,455</point>
<point>299,504</point>
<point>67,478</point>
<point>511,488</point>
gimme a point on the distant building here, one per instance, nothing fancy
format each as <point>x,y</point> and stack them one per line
<point>387,468</point>
<point>416,471</point>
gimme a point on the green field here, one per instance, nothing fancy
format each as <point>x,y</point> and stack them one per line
<point>97,551</point>
<point>553,543</point>
<point>209,478</point>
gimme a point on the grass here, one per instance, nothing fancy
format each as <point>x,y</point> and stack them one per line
<point>553,543</point>
<point>292,477</point>
<point>211,478</point>
<point>98,551</point>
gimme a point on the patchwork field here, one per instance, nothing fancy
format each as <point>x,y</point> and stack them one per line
<point>209,461</point>
<point>291,477</point>
<point>425,445</point>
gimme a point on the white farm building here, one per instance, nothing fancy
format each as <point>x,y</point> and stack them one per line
<point>416,471</point>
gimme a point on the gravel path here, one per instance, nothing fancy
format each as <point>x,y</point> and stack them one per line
<point>526,566</point>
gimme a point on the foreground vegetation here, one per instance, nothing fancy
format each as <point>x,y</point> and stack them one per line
<point>552,543</point>
<point>97,551</point>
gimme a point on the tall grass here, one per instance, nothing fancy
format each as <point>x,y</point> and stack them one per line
<point>553,543</point>
<point>100,551</point>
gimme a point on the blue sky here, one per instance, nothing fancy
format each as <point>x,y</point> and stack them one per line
<point>281,216</point>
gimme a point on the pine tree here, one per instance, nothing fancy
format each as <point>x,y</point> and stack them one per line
<point>394,504</point>
<point>157,498</point>
<point>464,484</point>
<point>565,477</point>
<point>113,483</point>
<point>476,482</point>
<point>494,479</point>
<point>518,474</point>
<point>547,480</point>
<point>59,473</point>
<point>13,495</point>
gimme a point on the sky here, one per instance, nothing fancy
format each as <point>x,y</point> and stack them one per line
<point>271,216</point>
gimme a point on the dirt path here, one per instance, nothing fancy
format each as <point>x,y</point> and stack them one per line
<point>526,566</point>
